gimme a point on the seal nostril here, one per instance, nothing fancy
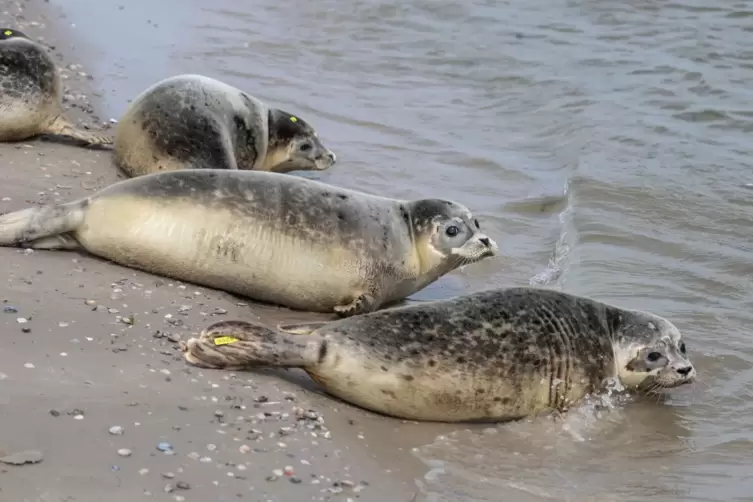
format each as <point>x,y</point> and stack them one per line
<point>485,241</point>
<point>332,156</point>
<point>684,370</point>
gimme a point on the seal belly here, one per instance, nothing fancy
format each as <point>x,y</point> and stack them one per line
<point>447,392</point>
<point>214,246</point>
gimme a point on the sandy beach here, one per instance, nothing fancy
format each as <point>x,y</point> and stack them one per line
<point>91,379</point>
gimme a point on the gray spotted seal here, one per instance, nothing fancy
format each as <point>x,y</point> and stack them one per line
<point>271,237</point>
<point>495,355</point>
<point>194,121</point>
<point>31,97</point>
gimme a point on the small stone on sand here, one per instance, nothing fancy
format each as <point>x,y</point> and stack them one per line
<point>23,457</point>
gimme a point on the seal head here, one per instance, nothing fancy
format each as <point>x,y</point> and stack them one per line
<point>294,144</point>
<point>650,353</point>
<point>8,33</point>
<point>447,235</point>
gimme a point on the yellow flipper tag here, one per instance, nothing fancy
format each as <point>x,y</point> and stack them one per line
<point>7,33</point>
<point>293,119</point>
<point>224,340</point>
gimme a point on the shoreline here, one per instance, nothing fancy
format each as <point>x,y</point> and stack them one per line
<point>90,365</point>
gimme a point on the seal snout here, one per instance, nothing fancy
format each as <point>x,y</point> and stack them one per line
<point>489,244</point>
<point>687,373</point>
<point>326,159</point>
<point>685,370</point>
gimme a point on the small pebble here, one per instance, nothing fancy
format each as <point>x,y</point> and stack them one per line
<point>10,310</point>
<point>164,447</point>
<point>78,417</point>
<point>22,320</point>
<point>116,430</point>
<point>124,452</point>
<point>29,366</point>
<point>182,485</point>
<point>168,475</point>
<point>144,471</point>
<point>295,481</point>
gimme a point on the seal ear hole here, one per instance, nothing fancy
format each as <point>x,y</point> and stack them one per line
<point>682,348</point>
<point>475,222</point>
<point>654,356</point>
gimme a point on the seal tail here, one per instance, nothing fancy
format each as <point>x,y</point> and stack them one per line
<point>62,127</point>
<point>241,345</point>
<point>43,227</point>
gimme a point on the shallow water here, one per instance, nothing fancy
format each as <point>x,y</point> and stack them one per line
<point>604,144</point>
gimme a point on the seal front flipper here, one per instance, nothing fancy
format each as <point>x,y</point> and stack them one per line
<point>62,127</point>
<point>62,241</point>
<point>361,305</point>
<point>243,345</point>
<point>43,225</point>
<point>305,328</point>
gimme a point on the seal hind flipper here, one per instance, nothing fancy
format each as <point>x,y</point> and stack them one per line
<point>42,225</point>
<point>243,345</point>
<point>63,127</point>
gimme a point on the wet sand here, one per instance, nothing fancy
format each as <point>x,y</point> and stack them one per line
<point>89,345</point>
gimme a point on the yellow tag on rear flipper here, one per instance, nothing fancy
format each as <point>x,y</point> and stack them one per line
<point>7,33</point>
<point>224,340</point>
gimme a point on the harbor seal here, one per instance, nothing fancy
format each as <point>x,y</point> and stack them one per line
<point>194,121</point>
<point>496,355</point>
<point>271,237</point>
<point>31,97</point>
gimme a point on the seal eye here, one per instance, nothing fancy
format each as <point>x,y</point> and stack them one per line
<point>475,222</point>
<point>682,348</point>
<point>452,231</point>
<point>305,147</point>
<point>654,356</point>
